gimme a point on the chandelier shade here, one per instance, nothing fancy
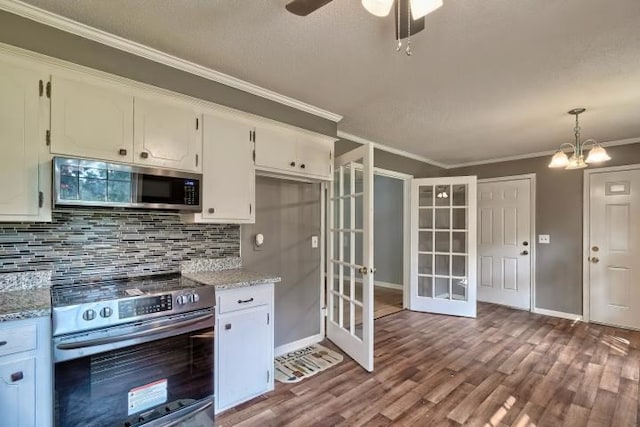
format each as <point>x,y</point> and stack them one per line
<point>378,7</point>
<point>420,8</point>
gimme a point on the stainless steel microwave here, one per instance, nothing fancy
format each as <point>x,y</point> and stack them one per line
<point>80,182</point>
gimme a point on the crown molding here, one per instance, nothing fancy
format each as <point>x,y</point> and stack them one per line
<point>379,146</point>
<point>613,143</point>
<point>68,25</point>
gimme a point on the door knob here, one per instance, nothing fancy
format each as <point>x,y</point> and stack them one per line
<point>595,259</point>
<point>524,253</point>
<point>595,249</point>
<point>363,270</point>
<point>525,243</point>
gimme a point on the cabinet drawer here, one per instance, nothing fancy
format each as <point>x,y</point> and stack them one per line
<point>14,340</point>
<point>239,299</point>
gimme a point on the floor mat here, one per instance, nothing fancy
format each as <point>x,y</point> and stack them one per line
<point>306,362</point>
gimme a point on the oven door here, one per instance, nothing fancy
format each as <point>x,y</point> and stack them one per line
<point>152,373</point>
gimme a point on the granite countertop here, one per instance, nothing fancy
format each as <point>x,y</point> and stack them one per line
<point>25,295</point>
<point>231,278</point>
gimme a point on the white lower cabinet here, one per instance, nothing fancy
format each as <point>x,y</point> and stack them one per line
<point>244,345</point>
<point>25,373</point>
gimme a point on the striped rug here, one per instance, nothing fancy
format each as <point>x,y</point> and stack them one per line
<point>306,362</point>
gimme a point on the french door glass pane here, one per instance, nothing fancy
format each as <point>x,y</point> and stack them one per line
<point>459,265</point>
<point>425,286</point>
<point>359,184</point>
<point>425,218</point>
<point>460,195</point>
<point>459,242</point>
<point>442,219</point>
<point>442,265</point>
<point>443,195</point>
<point>459,218</point>
<point>442,288</point>
<point>459,290</point>
<point>359,214</point>
<point>425,196</point>
<point>425,264</point>
<point>442,241</point>
<point>358,311</point>
<point>425,241</point>
<point>346,314</point>
<point>336,309</point>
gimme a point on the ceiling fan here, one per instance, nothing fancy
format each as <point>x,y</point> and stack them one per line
<point>414,11</point>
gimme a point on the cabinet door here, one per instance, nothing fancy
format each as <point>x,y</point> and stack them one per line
<point>245,362</point>
<point>20,139</point>
<point>228,170</point>
<point>167,134</point>
<point>315,157</point>
<point>276,149</point>
<point>17,392</point>
<point>90,120</point>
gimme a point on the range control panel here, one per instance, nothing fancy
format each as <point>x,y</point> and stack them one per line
<point>142,306</point>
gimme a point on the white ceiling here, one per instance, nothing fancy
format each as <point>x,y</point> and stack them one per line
<point>488,79</point>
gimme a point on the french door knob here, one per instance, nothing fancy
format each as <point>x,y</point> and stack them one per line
<point>595,259</point>
<point>363,270</point>
<point>524,253</point>
<point>595,249</point>
<point>525,243</point>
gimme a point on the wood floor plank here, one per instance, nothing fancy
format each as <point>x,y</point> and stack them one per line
<point>505,368</point>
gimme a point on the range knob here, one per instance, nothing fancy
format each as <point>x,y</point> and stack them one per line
<point>194,298</point>
<point>106,312</point>
<point>182,300</point>
<point>89,315</point>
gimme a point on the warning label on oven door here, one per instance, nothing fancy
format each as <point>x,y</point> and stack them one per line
<point>147,396</point>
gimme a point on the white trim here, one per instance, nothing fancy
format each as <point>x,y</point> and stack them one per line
<point>379,146</point>
<point>613,143</point>
<point>586,218</point>
<point>532,226</point>
<point>387,285</point>
<point>297,345</point>
<point>560,314</point>
<point>323,262</point>
<point>68,25</point>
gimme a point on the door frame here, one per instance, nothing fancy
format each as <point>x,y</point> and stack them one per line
<point>532,230</point>
<point>586,206</point>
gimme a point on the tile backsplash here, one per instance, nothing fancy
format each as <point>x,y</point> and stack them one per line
<point>93,244</point>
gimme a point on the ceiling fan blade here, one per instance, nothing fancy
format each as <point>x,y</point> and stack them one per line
<point>305,7</point>
<point>417,25</point>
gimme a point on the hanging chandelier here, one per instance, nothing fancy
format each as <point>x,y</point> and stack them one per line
<point>597,153</point>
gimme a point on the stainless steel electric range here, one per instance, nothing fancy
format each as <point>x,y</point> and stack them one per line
<point>132,352</point>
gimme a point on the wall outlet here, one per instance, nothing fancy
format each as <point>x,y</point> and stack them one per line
<point>544,239</point>
<point>314,242</point>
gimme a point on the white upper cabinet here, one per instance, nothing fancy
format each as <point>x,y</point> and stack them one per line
<point>89,119</point>
<point>22,138</point>
<point>167,134</point>
<point>291,152</point>
<point>228,170</point>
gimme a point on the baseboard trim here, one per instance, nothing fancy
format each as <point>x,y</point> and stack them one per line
<point>560,314</point>
<point>388,285</point>
<point>296,345</point>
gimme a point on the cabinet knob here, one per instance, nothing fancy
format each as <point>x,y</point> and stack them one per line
<point>3,343</point>
<point>122,152</point>
<point>211,210</point>
<point>293,164</point>
<point>302,166</point>
<point>227,326</point>
<point>17,376</point>
<point>144,155</point>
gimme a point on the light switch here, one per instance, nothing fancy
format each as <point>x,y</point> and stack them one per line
<point>544,239</point>
<point>314,242</point>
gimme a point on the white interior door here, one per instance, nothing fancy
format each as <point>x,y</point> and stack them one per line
<point>443,246</point>
<point>504,242</point>
<point>614,245</point>
<point>350,256</point>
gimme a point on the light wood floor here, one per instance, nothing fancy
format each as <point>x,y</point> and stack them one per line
<point>386,301</point>
<point>505,368</point>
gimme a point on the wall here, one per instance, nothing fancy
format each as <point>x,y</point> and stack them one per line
<point>559,204</point>
<point>288,214</point>
<point>388,221</point>
<point>101,244</point>
<point>394,162</point>
<point>36,37</point>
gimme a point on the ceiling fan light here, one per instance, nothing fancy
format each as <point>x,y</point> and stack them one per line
<point>378,7</point>
<point>576,163</point>
<point>559,160</point>
<point>597,154</point>
<point>420,8</point>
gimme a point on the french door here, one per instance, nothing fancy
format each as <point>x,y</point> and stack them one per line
<point>443,246</point>
<point>350,256</point>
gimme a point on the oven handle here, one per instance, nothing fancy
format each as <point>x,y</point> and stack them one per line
<point>131,335</point>
<point>189,415</point>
